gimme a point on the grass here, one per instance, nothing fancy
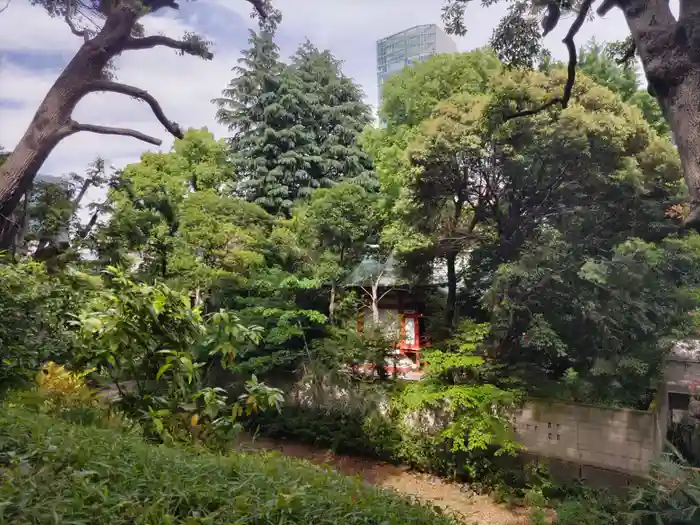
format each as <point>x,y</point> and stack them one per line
<point>54,471</point>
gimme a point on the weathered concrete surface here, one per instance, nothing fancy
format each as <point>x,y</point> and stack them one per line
<point>617,439</point>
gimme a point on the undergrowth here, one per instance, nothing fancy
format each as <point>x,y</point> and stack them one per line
<point>54,471</point>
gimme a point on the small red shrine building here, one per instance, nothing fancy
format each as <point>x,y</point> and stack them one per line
<point>400,310</point>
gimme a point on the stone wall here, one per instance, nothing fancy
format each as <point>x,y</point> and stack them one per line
<point>615,439</point>
<point>585,440</point>
<point>682,371</point>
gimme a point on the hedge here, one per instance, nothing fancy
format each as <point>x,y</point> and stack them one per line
<point>55,471</point>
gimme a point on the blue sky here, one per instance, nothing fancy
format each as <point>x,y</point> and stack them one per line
<point>34,48</point>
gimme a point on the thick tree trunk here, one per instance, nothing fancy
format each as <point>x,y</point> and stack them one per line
<point>682,108</point>
<point>375,304</point>
<point>331,303</point>
<point>52,120</point>
<point>670,54</point>
<point>451,305</point>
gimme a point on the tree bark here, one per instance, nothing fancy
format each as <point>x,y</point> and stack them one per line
<point>670,54</point>
<point>331,303</point>
<point>51,122</point>
<point>451,305</point>
<point>682,108</point>
<point>375,304</point>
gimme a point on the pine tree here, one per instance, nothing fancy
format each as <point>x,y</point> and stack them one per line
<point>272,152</point>
<point>241,105</point>
<point>337,115</point>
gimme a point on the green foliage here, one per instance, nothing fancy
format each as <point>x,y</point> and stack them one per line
<point>340,354</point>
<point>622,306</point>
<point>271,150</point>
<point>151,335</point>
<point>599,62</point>
<point>410,96</point>
<point>334,228</point>
<point>172,209</point>
<point>476,410</point>
<point>488,187</point>
<point>295,127</point>
<point>671,496</point>
<point>55,471</point>
<point>36,309</point>
<point>337,115</point>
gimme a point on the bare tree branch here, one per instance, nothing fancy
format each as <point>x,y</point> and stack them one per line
<point>75,127</point>
<point>140,94</point>
<point>189,47</point>
<point>71,10</point>
<point>7,4</point>
<point>606,6</point>
<point>629,54</point>
<point>563,100</point>
<point>688,9</point>
<point>82,33</point>
<point>259,6</point>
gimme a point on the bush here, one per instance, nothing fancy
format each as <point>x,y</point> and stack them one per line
<point>35,310</point>
<point>153,336</point>
<point>54,471</point>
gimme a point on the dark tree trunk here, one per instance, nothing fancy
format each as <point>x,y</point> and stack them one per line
<point>331,303</point>
<point>453,251</point>
<point>51,123</point>
<point>451,306</point>
<point>670,53</point>
<point>682,109</point>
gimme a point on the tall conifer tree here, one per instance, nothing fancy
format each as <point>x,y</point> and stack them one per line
<point>337,117</point>
<point>262,106</point>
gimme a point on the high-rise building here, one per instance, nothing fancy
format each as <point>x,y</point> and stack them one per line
<point>407,47</point>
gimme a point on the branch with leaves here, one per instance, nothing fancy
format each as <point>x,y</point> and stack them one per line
<point>549,22</point>
<point>107,29</point>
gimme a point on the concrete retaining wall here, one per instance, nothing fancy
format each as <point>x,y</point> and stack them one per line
<point>622,440</point>
<point>618,441</point>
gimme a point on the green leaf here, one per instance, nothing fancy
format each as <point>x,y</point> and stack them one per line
<point>163,369</point>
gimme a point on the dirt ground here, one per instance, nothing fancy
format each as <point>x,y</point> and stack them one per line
<point>471,508</point>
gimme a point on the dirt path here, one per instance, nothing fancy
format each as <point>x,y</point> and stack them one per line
<point>471,508</point>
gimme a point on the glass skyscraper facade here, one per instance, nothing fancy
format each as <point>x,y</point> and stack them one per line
<point>408,47</point>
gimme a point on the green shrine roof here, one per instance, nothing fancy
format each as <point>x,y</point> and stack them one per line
<point>370,269</point>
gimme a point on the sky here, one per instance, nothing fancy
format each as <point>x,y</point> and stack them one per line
<point>34,48</point>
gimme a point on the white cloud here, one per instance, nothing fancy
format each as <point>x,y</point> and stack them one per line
<point>185,85</point>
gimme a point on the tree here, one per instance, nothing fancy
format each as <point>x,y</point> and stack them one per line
<point>335,225</point>
<point>565,189</point>
<point>173,210</point>
<point>295,127</point>
<point>272,151</point>
<point>174,220</point>
<point>599,63</point>
<point>337,117</point>
<point>241,105</point>
<point>668,47</point>
<point>535,199</point>
<point>452,187</point>
<point>88,73</point>
<point>409,97</point>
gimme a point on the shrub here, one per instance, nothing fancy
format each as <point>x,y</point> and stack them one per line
<point>35,310</point>
<point>62,388</point>
<point>672,496</point>
<point>153,336</point>
<point>58,472</point>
